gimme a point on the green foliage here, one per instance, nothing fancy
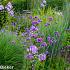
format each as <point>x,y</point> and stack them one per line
<point>56,63</point>
<point>20,5</point>
<point>3,18</point>
<point>66,9</point>
<point>58,4</point>
<point>11,51</point>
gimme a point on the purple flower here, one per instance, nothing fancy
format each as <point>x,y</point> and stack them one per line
<point>30,17</point>
<point>34,22</point>
<point>44,1</point>
<point>42,5</point>
<point>1,7</point>
<point>11,13</point>
<point>43,44</point>
<point>48,38</point>
<point>36,17</point>
<point>9,6</point>
<point>50,42</point>
<point>42,57</point>
<point>33,49</point>
<point>50,18</point>
<point>39,20</point>
<point>23,34</point>
<point>39,39</point>
<point>47,24</point>
<point>33,28</point>
<point>34,35</point>
<point>8,9</point>
<point>57,34</point>
<point>28,38</point>
<point>46,52</point>
<point>30,56</point>
<point>13,24</point>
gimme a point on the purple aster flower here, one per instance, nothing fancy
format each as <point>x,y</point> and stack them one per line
<point>30,17</point>
<point>34,22</point>
<point>11,13</point>
<point>47,24</point>
<point>43,44</point>
<point>33,49</point>
<point>13,24</point>
<point>57,34</point>
<point>30,56</point>
<point>39,39</point>
<point>42,57</point>
<point>50,42</point>
<point>50,18</point>
<point>33,28</point>
<point>1,7</point>
<point>39,20</point>
<point>34,35</point>
<point>48,38</point>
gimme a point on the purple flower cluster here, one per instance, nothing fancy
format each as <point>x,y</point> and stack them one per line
<point>42,57</point>
<point>34,22</point>
<point>11,13</point>
<point>1,7</point>
<point>9,9</point>
<point>34,35</point>
<point>51,40</point>
<point>9,6</point>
